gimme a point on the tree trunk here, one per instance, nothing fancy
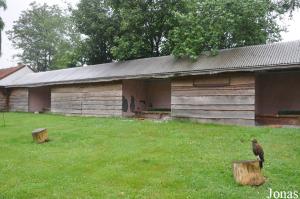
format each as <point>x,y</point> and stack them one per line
<point>40,135</point>
<point>248,173</point>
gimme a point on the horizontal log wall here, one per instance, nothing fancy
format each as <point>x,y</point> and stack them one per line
<point>18,100</point>
<point>96,99</point>
<point>227,98</point>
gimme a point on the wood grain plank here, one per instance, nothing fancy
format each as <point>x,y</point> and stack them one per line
<point>87,88</point>
<point>204,114</point>
<point>242,80</point>
<point>102,100</point>
<point>78,103</point>
<point>229,87</point>
<point>205,100</point>
<point>82,98</point>
<point>233,107</point>
<point>19,100</point>
<point>226,98</point>
<point>242,122</point>
<point>209,81</point>
<point>213,92</point>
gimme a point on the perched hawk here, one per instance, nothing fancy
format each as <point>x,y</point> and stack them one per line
<point>258,152</point>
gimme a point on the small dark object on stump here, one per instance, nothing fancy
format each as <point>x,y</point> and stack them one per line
<point>248,173</point>
<point>40,135</point>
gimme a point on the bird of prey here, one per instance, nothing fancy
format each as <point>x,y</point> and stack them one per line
<point>258,152</point>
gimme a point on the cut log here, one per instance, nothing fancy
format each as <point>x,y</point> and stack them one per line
<point>40,135</point>
<point>248,173</point>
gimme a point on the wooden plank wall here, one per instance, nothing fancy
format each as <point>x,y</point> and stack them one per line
<point>18,100</point>
<point>90,99</point>
<point>2,100</point>
<point>227,98</point>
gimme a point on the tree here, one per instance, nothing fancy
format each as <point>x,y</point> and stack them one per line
<point>68,53</point>
<point>211,25</point>
<point>95,20</point>
<point>144,27</point>
<point>45,36</point>
<point>122,30</point>
<point>2,5</point>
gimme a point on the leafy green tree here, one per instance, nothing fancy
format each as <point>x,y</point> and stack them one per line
<point>45,36</point>
<point>95,20</point>
<point>2,5</point>
<point>144,27</point>
<point>122,30</point>
<point>217,24</point>
<point>68,52</point>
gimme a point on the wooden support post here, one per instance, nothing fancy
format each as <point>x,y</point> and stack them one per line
<point>40,135</point>
<point>248,173</point>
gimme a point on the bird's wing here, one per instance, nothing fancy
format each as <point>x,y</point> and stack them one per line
<point>260,152</point>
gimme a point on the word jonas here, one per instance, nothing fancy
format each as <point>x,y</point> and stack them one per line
<point>282,194</point>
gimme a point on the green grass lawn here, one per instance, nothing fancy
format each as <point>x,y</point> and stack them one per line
<point>121,158</point>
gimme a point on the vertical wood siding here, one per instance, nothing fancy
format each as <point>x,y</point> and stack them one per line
<point>228,98</point>
<point>97,99</point>
<point>18,100</point>
<point>2,100</point>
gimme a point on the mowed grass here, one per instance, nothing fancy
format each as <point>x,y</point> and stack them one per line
<point>122,158</point>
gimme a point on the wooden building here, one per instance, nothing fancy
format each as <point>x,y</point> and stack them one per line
<point>13,99</point>
<point>249,85</point>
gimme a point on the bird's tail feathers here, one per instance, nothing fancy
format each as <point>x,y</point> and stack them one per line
<point>261,164</point>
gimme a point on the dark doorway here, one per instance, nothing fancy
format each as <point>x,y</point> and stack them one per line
<point>39,99</point>
<point>278,98</point>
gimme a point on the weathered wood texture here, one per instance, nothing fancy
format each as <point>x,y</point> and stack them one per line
<point>248,173</point>
<point>227,98</point>
<point>3,101</point>
<point>40,135</point>
<point>97,99</point>
<point>18,100</point>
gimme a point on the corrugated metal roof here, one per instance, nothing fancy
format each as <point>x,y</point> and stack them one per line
<point>251,58</point>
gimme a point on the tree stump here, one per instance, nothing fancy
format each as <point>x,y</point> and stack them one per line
<point>40,135</point>
<point>248,173</point>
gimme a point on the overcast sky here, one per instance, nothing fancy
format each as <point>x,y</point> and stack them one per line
<point>14,8</point>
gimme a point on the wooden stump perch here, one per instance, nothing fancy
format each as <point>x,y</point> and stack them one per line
<point>40,135</point>
<point>248,173</point>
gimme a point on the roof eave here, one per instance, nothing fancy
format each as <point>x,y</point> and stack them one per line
<point>165,75</point>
